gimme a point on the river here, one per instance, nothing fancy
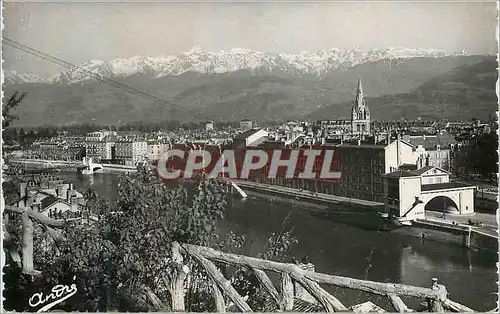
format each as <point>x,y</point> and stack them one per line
<point>340,249</point>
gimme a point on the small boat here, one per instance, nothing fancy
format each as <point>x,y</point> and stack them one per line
<point>397,221</point>
<point>403,222</point>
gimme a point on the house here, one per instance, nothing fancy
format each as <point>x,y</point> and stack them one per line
<point>252,138</point>
<point>409,193</point>
<point>42,196</point>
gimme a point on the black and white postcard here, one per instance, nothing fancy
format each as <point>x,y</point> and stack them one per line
<point>249,156</point>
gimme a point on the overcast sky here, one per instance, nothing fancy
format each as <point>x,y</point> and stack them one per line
<point>79,32</point>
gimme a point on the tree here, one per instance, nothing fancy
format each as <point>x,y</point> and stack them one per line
<point>478,157</point>
<point>9,107</point>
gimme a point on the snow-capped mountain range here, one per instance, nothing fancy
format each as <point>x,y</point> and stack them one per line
<point>196,60</point>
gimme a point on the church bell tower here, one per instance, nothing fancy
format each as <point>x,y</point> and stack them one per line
<point>360,114</point>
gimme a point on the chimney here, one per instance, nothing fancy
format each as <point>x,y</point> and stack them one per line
<point>63,188</point>
<point>74,204</point>
<point>22,189</point>
<point>69,194</point>
<point>30,198</point>
<point>398,150</point>
<point>37,206</point>
<point>59,190</point>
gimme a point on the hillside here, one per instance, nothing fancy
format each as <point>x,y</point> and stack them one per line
<point>416,82</point>
<point>467,91</point>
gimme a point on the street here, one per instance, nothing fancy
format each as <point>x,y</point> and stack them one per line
<point>489,221</point>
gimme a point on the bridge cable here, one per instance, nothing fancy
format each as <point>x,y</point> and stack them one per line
<point>99,77</point>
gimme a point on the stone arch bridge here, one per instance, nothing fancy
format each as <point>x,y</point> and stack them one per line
<point>451,197</point>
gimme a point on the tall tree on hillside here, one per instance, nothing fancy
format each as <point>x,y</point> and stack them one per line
<point>8,108</point>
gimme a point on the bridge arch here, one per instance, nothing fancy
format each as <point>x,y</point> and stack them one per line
<point>442,203</point>
<point>458,199</point>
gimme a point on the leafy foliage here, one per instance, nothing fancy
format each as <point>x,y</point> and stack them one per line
<point>479,157</point>
<point>119,259</point>
<point>8,108</point>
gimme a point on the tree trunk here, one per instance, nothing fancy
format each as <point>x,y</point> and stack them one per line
<point>176,284</point>
<point>27,243</point>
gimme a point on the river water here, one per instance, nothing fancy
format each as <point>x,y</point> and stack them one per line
<point>339,249</point>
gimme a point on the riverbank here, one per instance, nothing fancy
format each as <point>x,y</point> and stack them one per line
<point>118,168</point>
<point>68,165</point>
<point>46,163</point>
<point>444,230</point>
<point>313,197</point>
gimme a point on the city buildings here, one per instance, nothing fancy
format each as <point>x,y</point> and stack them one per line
<point>246,125</point>
<point>209,126</point>
<point>131,151</point>
<point>362,167</point>
<point>156,149</point>
<point>98,145</point>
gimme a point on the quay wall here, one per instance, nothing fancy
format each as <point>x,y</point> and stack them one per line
<point>461,235</point>
<point>42,164</point>
<point>280,198</point>
<point>484,241</point>
<point>118,168</point>
<point>295,195</point>
<point>458,234</point>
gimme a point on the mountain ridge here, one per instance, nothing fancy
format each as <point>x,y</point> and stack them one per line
<point>465,92</point>
<point>318,63</point>
<point>242,95</point>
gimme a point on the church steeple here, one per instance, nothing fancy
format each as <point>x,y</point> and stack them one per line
<point>360,101</point>
<point>360,115</point>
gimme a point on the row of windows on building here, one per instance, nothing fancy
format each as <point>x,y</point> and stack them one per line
<point>363,169</point>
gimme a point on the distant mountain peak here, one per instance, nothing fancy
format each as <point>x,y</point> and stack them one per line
<point>194,50</point>
<point>197,60</point>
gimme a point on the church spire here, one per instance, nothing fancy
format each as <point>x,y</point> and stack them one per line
<point>360,87</point>
<point>360,101</point>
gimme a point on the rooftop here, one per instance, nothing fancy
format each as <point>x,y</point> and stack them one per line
<point>408,167</point>
<point>49,200</point>
<point>365,146</point>
<point>400,174</point>
<point>246,134</point>
<point>423,170</point>
<point>442,186</point>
